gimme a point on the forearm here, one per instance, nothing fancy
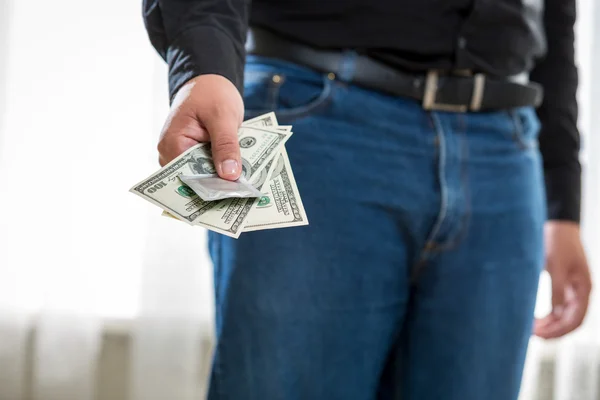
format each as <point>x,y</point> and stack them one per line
<point>559,136</point>
<point>199,37</point>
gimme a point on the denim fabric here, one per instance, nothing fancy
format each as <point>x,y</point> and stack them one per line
<point>417,276</point>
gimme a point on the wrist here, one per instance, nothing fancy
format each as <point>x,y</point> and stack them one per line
<point>561,225</point>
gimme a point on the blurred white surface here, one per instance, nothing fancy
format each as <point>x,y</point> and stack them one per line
<point>78,132</point>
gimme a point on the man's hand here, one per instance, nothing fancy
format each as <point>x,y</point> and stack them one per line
<point>207,108</point>
<point>571,282</point>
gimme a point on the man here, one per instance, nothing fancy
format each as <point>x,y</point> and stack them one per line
<point>416,153</point>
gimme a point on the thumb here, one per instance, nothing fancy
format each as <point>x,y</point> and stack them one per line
<point>559,282</point>
<point>225,147</point>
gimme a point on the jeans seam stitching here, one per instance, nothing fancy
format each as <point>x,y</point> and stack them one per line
<point>430,243</point>
<point>518,131</point>
<point>465,220</point>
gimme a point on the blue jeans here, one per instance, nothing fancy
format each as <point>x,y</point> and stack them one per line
<point>417,276</point>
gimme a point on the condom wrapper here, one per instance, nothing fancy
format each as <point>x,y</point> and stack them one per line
<point>210,187</point>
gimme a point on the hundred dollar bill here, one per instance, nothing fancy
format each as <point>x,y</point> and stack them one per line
<point>281,205</point>
<point>257,147</point>
<point>259,180</point>
<point>266,120</point>
<point>169,215</point>
<point>164,189</point>
<point>229,216</point>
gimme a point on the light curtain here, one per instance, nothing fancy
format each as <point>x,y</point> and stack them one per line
<point>82,99</point>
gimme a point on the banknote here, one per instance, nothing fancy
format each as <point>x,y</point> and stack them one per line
<point>229,216</point>
<point>260,179</point>
<point>164,189</point>
<point>267,168</point>
<point>268,120</point>
<point>257,147</point>
<point>281,205</point>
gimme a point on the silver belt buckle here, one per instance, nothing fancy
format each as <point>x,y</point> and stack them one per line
<point>431,87</point>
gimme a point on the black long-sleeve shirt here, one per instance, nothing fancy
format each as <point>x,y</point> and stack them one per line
<point>499,37</point>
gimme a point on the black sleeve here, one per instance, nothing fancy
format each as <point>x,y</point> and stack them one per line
<point>559,136</point>
<point>198,37</point>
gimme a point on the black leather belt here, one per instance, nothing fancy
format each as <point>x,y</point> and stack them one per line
<point>459,91</point>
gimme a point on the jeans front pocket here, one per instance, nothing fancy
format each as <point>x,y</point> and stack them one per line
<point>292,91</point>
<point>526,127</point>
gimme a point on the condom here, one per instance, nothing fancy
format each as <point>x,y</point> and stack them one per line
<point>210,187</point>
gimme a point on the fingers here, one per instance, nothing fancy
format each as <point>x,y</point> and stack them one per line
<point>181,131</point>
<point>582,288</point>
<point>552,327</point>
<point>169,150</point>
<point>571,282</point>
<point>184,129</point>
<point>207,108</point>
<point>552,324</point>
<point>569,307</point>
<point>558,293</point>
<point>225,146</point>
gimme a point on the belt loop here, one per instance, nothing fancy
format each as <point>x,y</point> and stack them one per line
<point>477,95</point>
<point>347,66</point>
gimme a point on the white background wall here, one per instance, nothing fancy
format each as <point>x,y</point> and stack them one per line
<point>87,96</point>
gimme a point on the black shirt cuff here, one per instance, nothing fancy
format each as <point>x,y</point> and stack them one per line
<point>203,50</point>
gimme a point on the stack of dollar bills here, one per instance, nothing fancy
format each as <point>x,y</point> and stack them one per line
<point>265,165</point>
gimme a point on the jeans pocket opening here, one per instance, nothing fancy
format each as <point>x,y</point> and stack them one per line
<point>277,80</point>
<point>524,132</point>
<point>269,83</point>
